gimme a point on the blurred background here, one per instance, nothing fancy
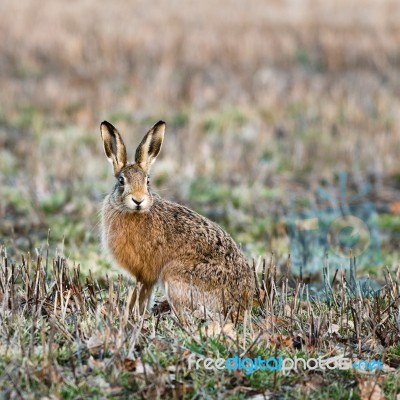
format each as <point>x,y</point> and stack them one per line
<point>264,103</point>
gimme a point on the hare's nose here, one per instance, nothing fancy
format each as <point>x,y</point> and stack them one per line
<point>137,202</point>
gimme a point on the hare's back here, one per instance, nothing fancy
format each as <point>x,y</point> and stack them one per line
<point>198,240</point>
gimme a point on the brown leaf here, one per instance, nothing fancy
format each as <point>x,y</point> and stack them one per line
<point>286,341</point>
<point>348,324</point>
<point>49,373</point>
<point>159,344</point>
<point>142,368</point>
<point>98,382</point>
<point>372,345</point>
<point>161,307</point>
<point>200,312</point>
<point>137,366</point>
<point>333,329</point>
<point>300,339</point>
<point>180,389</point>
<point>229,330</point>
<point>273,322</point>
<point>213,328</point>
<point>95,364</point>
<point>395,207</point>
<point>278,340</point>
<point>387,368</point>
<point>370,390</point>
<point>393,361</point>
<point>129,364</point>
<point>94,343</point>
<point>287,310</point>
<point>311,383</point>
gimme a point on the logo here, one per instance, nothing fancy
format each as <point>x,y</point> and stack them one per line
<point>285,365</point>
<point>345,230</point>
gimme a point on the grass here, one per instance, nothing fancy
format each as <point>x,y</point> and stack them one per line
<point>78,336</point>
<point>264,106</point>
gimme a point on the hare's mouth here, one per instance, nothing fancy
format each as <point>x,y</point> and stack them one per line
<point>136,205</point>
<point>137,209</point>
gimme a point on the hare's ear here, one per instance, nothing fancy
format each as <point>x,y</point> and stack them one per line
<point>113,146</point>
<point>150,146</point>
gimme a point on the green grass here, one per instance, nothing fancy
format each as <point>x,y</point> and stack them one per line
<point>261,109</point>
<point>74,335</point>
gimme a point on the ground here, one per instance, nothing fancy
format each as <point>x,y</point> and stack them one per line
<point>265,105</point>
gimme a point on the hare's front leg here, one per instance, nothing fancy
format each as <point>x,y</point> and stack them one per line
<point>143,293</point>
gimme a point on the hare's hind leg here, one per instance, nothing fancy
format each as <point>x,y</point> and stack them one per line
<point>176,290</point>
<point>185,292</point>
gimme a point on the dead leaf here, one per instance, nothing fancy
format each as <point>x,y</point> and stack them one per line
<point>199,313</point>
<point>299,339</point>
<point>49,373</point>
<point>159,344</point>
<point>136,365</point>
<point>370,390</point>
<point>95,364</point>
<point>333,329</point>
<point>311,383</point>
<point>95,341</point>
<point>273,322</point>
<point>50,397</point>
<point>261,396</point>
<point>161,308</point>
<point>99,382</point>
<point>348,324</point>
<point>142,369</point>
<point>395,207</point>
<point>286,341</point>
<point>213,328</point>
<point>229,330</point>
<point>287,310</point>
<point>278,340</point>
<point>387,368</point>
<point>171,368</point>
<point>129,364</point>
<point>372,345</point>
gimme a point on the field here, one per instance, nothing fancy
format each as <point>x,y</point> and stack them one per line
<point>266,105</point>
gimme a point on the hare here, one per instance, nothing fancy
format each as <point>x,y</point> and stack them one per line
<point>164,243</point>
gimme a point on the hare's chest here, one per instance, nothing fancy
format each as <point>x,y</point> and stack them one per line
<point>132,245</point>
<point>127,248</point>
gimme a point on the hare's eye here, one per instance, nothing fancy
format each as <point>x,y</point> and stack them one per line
<point>121,180</point>
<point>148,180</point>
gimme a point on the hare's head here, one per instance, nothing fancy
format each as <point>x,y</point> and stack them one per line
<point>131,192</point>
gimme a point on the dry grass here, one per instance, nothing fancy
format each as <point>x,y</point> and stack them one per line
<point>67,336</point>
<point>161,57</point>
<point>263,104</point>
<point>269,100</point>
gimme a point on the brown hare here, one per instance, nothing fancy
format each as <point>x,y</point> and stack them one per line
<point>164,243</point>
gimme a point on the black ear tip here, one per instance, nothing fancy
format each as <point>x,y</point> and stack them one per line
<point>107,125</point>
<point>159,123</point>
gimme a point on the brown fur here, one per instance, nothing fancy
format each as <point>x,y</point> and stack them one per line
<point>165,243</point>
